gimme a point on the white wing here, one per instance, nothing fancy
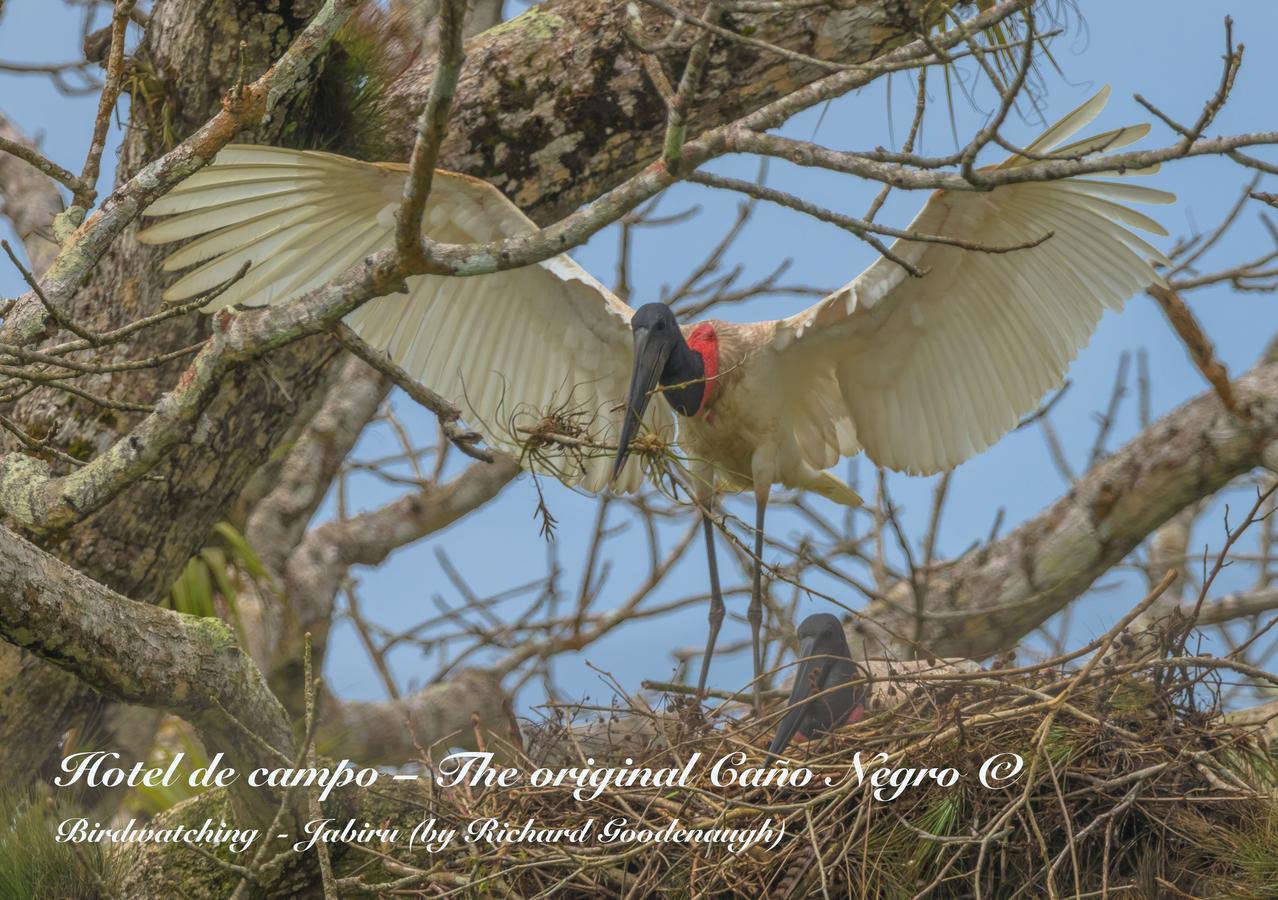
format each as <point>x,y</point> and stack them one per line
<point>507,348</point>
<point>923,373</point>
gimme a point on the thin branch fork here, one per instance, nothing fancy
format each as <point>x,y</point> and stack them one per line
<point>448,414</point>
<point>1229,73</point>
<point>859,227</point>
<point>1190,250</point>
<point>1007,95</point>
<point>58,73</point>
<point>924,176</point>
<point>58,316</point>
<point>431,128</point>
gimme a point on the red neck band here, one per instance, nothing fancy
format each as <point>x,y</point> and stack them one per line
<point>705,342</point>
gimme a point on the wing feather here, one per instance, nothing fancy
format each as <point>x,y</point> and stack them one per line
<point>1067,127</point>
<point>507,348</point>
<point>933,370</point>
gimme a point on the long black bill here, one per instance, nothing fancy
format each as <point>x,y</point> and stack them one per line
<point>807,680</point>
<point>650,359</point>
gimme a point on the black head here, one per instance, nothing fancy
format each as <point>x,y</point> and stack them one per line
<point>661,356</point>
<point>824,661</point>
<point>826,634</point>
<point>655,317</point>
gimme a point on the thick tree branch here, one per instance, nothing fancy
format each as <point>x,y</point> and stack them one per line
<point>279,519</point>
<point>29,199</point>
<point>315,569</point>
<point>1238,605</point>
<point>988,600</point>
<point>392,732</point>
<point>142,654</point>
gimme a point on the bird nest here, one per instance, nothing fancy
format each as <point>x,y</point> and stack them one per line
<point>1133,783</point>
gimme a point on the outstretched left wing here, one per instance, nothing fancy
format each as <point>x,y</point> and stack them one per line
<point>924,373</point>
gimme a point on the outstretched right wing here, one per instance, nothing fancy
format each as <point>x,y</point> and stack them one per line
<point>924,372</point>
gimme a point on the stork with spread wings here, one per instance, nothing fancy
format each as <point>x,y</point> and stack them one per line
<point>919,372</point>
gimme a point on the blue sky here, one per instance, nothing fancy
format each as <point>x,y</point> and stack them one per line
<point>1170,52</point>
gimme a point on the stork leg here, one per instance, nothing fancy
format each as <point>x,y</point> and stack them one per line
<point>754,613</point>
<point>717,610</point>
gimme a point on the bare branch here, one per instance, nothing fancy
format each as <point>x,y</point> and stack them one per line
<point>1199,346</point>
<point>393,731</point>
<point>995,595</point>
<point>87,190</point>
<point>29,200</point>
<point>449,415</point>
<point>431,129</point>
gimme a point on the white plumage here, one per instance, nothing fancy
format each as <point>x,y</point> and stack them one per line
<point>506,347</point>
<point>920,372</point>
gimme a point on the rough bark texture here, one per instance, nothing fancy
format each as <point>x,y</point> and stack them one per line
<point>141,542</point>
<point>552,107</point>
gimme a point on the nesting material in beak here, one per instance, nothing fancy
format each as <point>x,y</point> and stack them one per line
<point>651,354</point>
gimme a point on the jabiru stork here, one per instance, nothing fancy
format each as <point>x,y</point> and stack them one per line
<point>829,688</point>
<point>919,372</point>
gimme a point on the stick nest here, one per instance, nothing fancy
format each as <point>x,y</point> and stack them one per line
<point>1134,785</point>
